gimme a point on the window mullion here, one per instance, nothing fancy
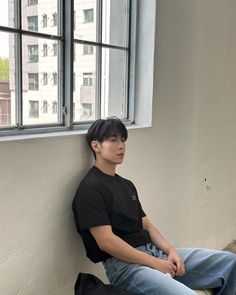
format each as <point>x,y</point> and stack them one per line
<point>68,60</point>
<point>132,59</point>
<point>61,94</point>
<point>18,66</point>
<point>98,60</point>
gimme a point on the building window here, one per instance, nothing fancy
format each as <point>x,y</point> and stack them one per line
<point>32,2</point>
<point>33,23</point>
<point>45,107</point>
<point>45,49</point>
<point>88,15</point>
<point>87,49</point>
<point>54,49</point>
<point>87,109</point>
<point>33,108</point>
<point>54,19</point>
<point>54,78</point>
<point>33,81</point>
<point>33,53</point>
<point>45,79</point>
<point>45,20</point>
<point>87,79</point>
<point>54,107</point>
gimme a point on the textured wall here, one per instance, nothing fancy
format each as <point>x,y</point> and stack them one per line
<point>192,139</point>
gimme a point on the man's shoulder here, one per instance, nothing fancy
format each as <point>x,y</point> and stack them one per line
<point>90,180</point>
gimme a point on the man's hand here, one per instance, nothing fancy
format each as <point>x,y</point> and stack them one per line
<point>175,259</point>
<point>164,266</point>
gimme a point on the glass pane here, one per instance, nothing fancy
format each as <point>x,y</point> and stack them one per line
<point>115,22</point>
<point>85,19</point>
<point>40,80</point>
<point>84,83</point>
<point>7,13</point>
<point>40,16</point>
<point>114,83</point>
<point>7,80</point>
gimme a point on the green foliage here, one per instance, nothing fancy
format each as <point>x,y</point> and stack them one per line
<point>4,69</point>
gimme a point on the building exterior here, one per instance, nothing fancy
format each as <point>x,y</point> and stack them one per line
<point>41,61</point>
<point>5,104</point>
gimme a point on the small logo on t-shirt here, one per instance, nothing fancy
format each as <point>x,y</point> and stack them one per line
<point>134,198</point>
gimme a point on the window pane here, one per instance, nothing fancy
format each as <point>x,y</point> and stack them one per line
<point>40,81</point>
<point>115,20</point>
<point>85,84</point>
<point>39,16</point>
<point>7,13</point>
<point>85,19</point>
<point>114,81</point>
<point>7,80</point>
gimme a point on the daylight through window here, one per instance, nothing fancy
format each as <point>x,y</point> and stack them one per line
<point>63,63</point>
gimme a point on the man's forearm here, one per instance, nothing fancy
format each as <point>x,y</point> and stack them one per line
<point>157,238</point>
<point>115,246</point>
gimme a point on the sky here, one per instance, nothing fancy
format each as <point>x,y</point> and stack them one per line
<point>4,51</point>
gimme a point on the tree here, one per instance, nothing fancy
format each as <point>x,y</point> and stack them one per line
<point>4,69</point>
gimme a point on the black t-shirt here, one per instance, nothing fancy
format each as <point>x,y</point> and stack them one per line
<point>102,199</point>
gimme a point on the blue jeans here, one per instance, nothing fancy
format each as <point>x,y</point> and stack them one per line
<point>205,269</point>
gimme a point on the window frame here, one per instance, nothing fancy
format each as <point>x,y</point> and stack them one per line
<point>65,102</point>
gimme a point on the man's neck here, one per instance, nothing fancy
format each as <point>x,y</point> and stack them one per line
<point>107,169</point>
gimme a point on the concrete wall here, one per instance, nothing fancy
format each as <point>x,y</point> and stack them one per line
<point>184,166</point>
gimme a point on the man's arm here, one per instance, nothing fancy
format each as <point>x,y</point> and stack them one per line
<point>161,243</point>
<point>113,245</point>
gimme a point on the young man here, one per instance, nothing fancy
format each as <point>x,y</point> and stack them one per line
<point>116,231</point>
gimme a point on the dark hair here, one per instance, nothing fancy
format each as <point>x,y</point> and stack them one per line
<point>102,129</point>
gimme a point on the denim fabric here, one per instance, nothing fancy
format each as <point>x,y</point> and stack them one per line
<point>205,269</point>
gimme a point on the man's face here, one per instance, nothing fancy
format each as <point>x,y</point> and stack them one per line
<point>111,150</point>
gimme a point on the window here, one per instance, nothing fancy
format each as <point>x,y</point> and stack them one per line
<point>54,49</point>
<point>32,2</point>
<point>45,79</point>
<point>45,49</point>
<point>54,19</point>
<point>87,49</point>
<point>45,21</point>
<point>87,79</point>
<point>33,53</point>
<point>88,15</point>
<point>54,78</point>
<point>45,106</point>
<point>33,81</point>
<point>33,108</point>
<point>32,23</point>
<point>54,107</point>
<point>103,42</point>
<point>87,109</point>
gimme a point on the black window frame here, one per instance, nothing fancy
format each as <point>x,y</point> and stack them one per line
<point>66,42</point>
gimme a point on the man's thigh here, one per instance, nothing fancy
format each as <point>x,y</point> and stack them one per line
<point>203,267</point>
<point>143,280</point>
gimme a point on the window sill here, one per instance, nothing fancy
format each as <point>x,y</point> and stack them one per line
<point>78,132</point>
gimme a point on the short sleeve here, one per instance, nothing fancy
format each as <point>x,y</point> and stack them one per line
<point>90,209</point>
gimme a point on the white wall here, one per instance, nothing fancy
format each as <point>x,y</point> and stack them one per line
<point>192,138</point>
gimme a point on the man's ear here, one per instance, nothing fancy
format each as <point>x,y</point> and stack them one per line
<point>95,145</point>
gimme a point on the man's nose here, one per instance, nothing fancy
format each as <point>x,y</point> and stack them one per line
<point>121,144</point>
